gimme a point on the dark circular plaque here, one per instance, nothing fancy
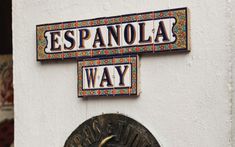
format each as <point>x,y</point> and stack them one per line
<point>111,130</point>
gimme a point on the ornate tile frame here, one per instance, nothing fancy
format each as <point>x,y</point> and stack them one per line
<point>114,60</point>
<point>180,30</point>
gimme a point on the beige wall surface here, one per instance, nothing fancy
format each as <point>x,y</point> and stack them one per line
<point>232,6</point>
<point>185,99</point>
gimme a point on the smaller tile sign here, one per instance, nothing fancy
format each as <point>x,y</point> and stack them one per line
<point>113,76</point>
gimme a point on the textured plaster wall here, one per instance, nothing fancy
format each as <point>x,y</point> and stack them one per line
<point>233,68</point>
<point>185,99</point>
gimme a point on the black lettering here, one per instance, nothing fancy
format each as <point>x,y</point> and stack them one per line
<point>106,78</point>
<point>114,34</point>
<point>129,34</point>
<point>91,76</point>
<point>69,39</point>
<point>122,74</point>
<point>84,34</point>
<point>98,38</point>
<point>142,34</point>
<point>54,41</point>
<point>161,32</point>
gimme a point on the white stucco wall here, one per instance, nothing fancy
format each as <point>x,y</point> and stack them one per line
<point>233,69</point>
<point>185,99</point>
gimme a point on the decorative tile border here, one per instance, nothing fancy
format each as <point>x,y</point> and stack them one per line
<point>179,29</point>
<point>133,89</point>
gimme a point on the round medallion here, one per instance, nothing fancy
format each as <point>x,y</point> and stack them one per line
<point>111,130</point>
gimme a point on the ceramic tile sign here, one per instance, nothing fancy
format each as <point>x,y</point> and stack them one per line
<point>112,76</point>
<point>149,32</point>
